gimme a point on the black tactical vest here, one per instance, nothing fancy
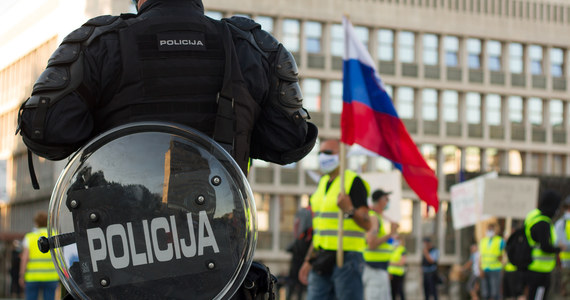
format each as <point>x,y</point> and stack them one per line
<point>183,70</point>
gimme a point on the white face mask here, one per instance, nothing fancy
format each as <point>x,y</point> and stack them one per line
<point>567,215</point>
<point>328,162</point>
<point>396,244</point>
<point>490,233</point>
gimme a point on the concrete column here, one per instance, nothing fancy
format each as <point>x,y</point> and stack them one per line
<point>484,163</point>
<point>439,169</point>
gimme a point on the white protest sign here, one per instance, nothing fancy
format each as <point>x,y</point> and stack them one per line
<point>510,197</point>
<point>467,201</point>
<point>389,182</point>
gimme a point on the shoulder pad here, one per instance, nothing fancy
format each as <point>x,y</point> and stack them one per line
<point>79,35</point>
<point>243,23</point>
<point>101,21</point>
<point>265,40</point>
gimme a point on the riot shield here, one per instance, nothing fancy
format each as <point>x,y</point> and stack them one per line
<point>152,210</point>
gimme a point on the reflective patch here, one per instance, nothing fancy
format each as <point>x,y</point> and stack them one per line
<point>181,41</point>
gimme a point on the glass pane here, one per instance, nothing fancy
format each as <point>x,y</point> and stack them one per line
<point>556,112</point>
<point>429,152</point>
<point>556,61</point>
<point>406,102</point>
<point>406,47</point>
<point>515,109</point>
<point>386,45</point>
<point>313,33</point>
<point>493,109</point>
<point>429,103</point>
<point>336,96</point>
<point>450,103</point>
<point>430,49</point>
<point>266,23</point>
<point>516,58</point>
<point>473,108</point>
<point>312,94</point>
<point>291,34</point>
<point>535,111</point>
<point>337,40</point>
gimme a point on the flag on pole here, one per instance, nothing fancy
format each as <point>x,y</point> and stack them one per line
<point>370,120</point>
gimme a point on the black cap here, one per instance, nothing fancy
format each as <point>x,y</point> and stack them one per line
<point>427,240</point>
<point>379,193</point>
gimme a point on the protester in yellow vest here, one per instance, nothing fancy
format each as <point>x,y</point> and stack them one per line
<point>37,271</point>
<point>491,250</point>
<point>397,268</point>
<point>324,278</point>
<point>562,228</point>
<point>379,250</point>
<point>541,237</point>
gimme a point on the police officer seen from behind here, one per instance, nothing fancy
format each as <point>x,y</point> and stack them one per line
<point>228,79</point>
<point>541,237</point>
<point>324,278</point>
<point>430,258</point>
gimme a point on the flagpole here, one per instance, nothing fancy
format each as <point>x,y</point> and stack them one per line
<point>340,235</point>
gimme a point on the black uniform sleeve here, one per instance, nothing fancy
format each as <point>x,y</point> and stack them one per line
<point>358,193</point>
<point>540,232</point>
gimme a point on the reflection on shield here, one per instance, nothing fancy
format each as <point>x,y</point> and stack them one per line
<point>152,210</point>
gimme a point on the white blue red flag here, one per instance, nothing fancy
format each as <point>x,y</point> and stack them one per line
<point>370,120</point>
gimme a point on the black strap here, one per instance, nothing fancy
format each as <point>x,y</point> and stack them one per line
<point>33,177</point>
<point>38,123</point>
<point>224,128</point>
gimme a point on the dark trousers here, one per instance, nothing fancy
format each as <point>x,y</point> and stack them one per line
<point>538,284</point>
<point>397,285</point>
<point>430,285</point>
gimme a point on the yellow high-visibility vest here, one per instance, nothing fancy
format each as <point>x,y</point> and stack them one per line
<point>325,218</point>
<point>490,250</point>
<point>396,257</point>
<point>541,261</point>
<point>383,252</point>
<point>40,267</point>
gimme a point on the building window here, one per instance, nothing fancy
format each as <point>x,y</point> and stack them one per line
<point>429,152</point>
<point>515,162</point>
<point>386,44</point>
<point>535,55</point>
<point>515,58</point>
<point>291,31</point>
<point>472,159</point>
<point>337,40</point>
<point>515,109</point>
<point>474,53</point>
<point>311,162</point>
<point>556,112</point>
<point>335,89</point>
<point>388,89</point>
<point>429,104</point>
<point>494,52</point>
<point>313,34</point>
<point>312,94</point>
<point>451,45</point>
<point>557,62</point>
<point>431,49</point>
<point>216,15</point>
<point>450,106</point>
<point>473,105</point>
<point>264,226</point>
<point>265,22</point>
<point>493,103</point>
<point>493,160</point>
<point>535,111</point>
<point>406,102</point>
<point>362,35</point>
<point>451,160</point>
<point>406,47</point>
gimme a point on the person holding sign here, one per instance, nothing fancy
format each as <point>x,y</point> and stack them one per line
<point>325,279</point>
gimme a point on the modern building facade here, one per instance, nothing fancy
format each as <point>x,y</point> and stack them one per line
<point>482,85</point>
